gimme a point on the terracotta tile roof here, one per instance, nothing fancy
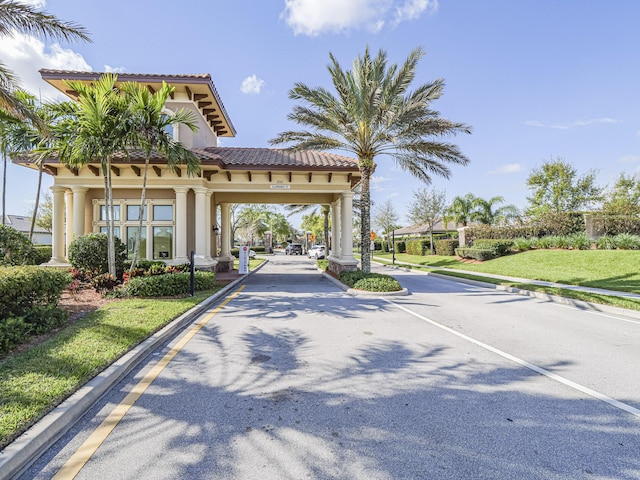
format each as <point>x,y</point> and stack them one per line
<point>236,157</point>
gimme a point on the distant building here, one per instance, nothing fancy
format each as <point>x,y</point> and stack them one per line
<point>421,230</point>
<point>23,224</point>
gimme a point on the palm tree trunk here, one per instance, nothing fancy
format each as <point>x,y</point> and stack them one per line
<point>365,227</point>
<point>4,187</point>
<point>37,203</point>
<point>325,211</point>
<point>108,196</point>
<point>136,247</point>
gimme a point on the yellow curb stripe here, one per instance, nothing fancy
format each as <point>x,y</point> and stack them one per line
<point>73,466</point>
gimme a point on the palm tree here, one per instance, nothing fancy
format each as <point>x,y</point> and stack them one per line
<point>374,113</point>
<point>460,211</point>
<point>98,130</point>
<point>16,16</point>
<point>8,125</point>
<point>486,214</point>
<point>148,130</point>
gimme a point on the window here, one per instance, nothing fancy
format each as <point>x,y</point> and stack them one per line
<point>116,231</point>
<point>103,213</point>
<point>163,213</point>
<point>162,243</point>
<point>131,242</point>
<point>133,211</point>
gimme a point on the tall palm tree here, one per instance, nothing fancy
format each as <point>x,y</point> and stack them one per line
<point>374,113</point>
<point>460,211</point>
<point>98,130</point>
<point>8,125</point>
<point>16,16</point>
<point>148,130</point>
<point>487,215</point>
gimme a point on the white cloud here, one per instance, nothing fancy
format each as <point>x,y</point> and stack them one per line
<point>507,168</point>
<point>35,3</point>
<point>313,17</point>
<point>252,84</point>
<point>412,9</point>
<point>25,55</point>
<point>109,68</point>
<point>377,183</point>
<point>629,158</point>
<point>567,126</point>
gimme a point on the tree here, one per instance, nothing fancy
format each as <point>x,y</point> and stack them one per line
<point>484,211</point>
<point>148,130</point>
<point>374,113</point>
<point>44,218</point>
<point>312,223</point>
<point>16,16</point>
<point>251,218</point>
<point>557,187</point>
<point>96,130</point>
<point>8,126</point>
<point>624,197</point>
<point>325,210</point>
<point>460,211</point>
<point>427,208</point>
<point>386,218</point>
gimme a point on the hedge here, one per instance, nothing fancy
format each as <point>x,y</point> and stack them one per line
<point>475,253</point>
<point>400,246</point>
<point>417,247</point>
<point>29,302</point>
<point>499,247</point>
<point>603,224</point>
<point>168,285</point>
<point>561,223</point>
<point>446,248</point>
<point>371,282</point>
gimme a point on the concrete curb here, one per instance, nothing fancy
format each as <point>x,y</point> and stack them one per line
<point>363,293</point>
<point>23,451</point>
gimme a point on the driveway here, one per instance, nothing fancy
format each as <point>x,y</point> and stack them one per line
<point>293,378</point>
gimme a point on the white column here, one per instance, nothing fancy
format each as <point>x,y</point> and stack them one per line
<point>347,228</point>
<point>58,225</point>
<point>203,227</point>
<point>210,223</point>
<point>214,221</point>
<point>181,225</point>
<point>335,230</point>
<point>225,218</point>
<point>79,200</point>
<point>68,201</point>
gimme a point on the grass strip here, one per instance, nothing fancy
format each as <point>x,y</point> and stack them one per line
<point>620,302</point>
<point>34,381</point>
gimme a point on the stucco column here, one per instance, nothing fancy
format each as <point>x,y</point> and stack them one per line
<point>335,230</point>
<point>225,217</point>
<point>210,223</point>
<point>68,235</point>
<point>182,255</point>
<point>214,222</point>
<point>346,213</point>
<point>79,199</point>
<point>57,237</point>
<point>203,227</point>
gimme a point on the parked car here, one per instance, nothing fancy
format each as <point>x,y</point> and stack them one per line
<point>293,249</point>
<point>317,251</point>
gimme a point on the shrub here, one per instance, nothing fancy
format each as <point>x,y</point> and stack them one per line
<point>29,302</point>
<point>475,253</point>
<point>614,224</point>
<point>168,285</point>
<point>606,242</point>
<point>15,247</point>
<point>40,254</point>
<point>580,241</point>
<point>104,283</point>
<point>322,264</point>
<point>523,244</point>
<point>143,264</point>
<point>499,247</point>
<point>626,241</point>
<point>446,248</point>
<point>417,247</point>
<point>544,242</point>
<point>400,247</point>
<point>558,223</point>
<point>371,282</point>
<point>89,253</point>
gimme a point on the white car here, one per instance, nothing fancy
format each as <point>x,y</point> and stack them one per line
<point>317,251</point>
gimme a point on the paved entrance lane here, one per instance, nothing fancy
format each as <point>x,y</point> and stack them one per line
<point>295,379</point>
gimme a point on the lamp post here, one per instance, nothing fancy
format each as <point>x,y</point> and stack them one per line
<point>393,247</point>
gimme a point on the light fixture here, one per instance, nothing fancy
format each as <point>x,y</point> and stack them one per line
<point>215,229</point>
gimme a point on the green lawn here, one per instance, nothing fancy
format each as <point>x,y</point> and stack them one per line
<point>609,269</point>
<point>36,380</point>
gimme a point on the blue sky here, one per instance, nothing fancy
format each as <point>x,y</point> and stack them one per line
<point>535,79</point>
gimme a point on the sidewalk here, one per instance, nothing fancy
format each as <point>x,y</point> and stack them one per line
<point>599,291</point>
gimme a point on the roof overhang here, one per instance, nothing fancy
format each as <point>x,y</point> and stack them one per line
<point>198,88</point>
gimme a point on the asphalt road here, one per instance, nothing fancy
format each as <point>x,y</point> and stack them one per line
<point>295,379</point>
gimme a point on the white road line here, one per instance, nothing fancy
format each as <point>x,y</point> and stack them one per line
<point>542,371</point>
<point>597,313</point>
